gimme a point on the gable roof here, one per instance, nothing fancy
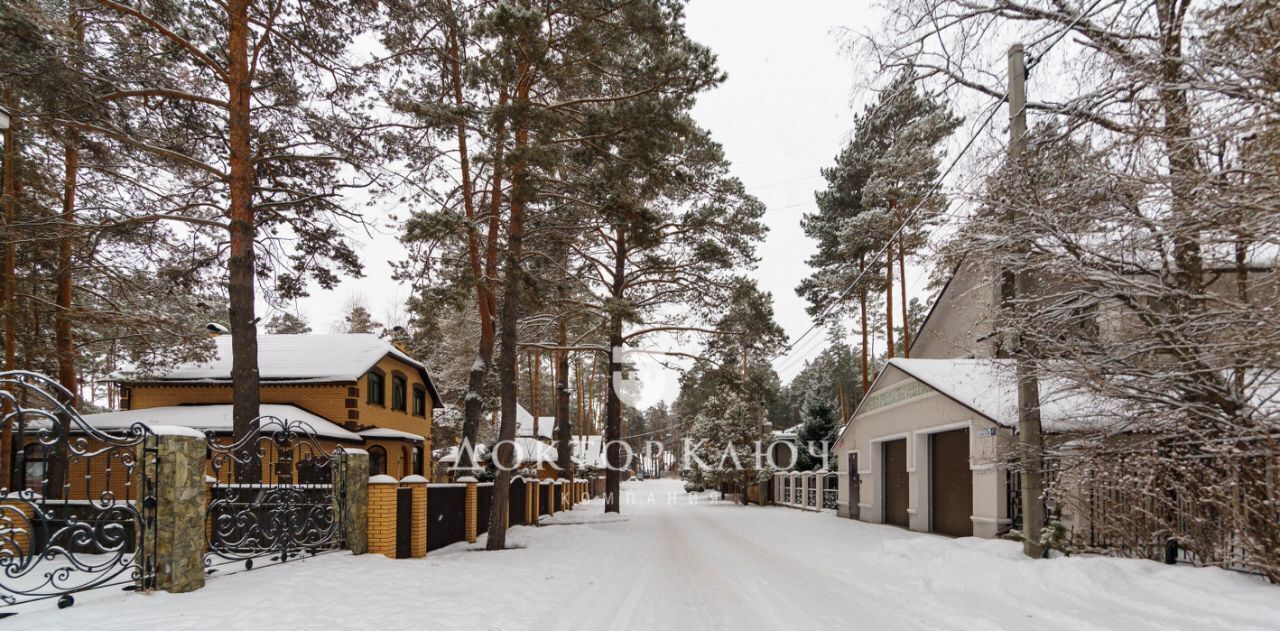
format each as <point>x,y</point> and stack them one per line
<point>304,358</point>
<point>988,387</point>
<point>525,425</point>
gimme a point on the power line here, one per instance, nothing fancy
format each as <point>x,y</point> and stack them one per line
<point>819,319</point>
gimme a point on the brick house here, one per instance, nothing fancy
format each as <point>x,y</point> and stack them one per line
<point>352,389</point>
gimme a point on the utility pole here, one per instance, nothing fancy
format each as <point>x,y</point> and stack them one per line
<point>1012,284</point>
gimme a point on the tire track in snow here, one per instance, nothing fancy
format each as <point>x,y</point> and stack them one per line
<point>837,600</point>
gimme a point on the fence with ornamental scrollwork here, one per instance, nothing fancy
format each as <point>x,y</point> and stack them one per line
<point>275,494</point>
<point>77,504</point>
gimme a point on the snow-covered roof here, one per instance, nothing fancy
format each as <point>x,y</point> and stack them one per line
<point>528,449</point>
<point>214,417</point>
<point>588,450</point>
<point>789,433</point>
<point>386,432</point>
<point>526,427</point>
<point>450,455</point>
<point>989,388</point>
<point>296,358</point>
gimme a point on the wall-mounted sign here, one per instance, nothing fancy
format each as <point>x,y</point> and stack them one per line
<point>986,432</point>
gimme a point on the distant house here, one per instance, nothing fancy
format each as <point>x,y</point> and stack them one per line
<point>783,445</point>
<point>926,447</point>
<point>352,389</point>
<point>535,453</point>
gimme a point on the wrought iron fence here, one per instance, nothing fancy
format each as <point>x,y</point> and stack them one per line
<point>272,496</point>
<point>77,504</point>
<point>830,491</point>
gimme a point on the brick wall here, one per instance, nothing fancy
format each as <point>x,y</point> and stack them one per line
<point>327,400</point>
<point>382,515</point>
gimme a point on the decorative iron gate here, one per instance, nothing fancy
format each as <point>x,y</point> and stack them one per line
<point>275,494</point>
<point>77,504</point>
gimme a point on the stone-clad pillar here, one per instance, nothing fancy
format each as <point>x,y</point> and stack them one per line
<point>418,520</point>
<point>472,500</point>
<point>351,496</point>
<point>178,529</point>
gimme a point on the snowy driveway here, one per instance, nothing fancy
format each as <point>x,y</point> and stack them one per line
<point>666,564</point>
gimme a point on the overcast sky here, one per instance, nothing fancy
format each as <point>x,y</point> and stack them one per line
<point>781,115</point>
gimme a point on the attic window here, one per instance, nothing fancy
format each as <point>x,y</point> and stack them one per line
<point>398,393</point>
<point>376,385</point>
<point>419,401</point>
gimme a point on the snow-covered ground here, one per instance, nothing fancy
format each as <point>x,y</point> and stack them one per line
<point>668,564</point>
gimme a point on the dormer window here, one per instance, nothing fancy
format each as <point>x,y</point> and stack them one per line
<point>399,393</point>
<point>419,401</point>
<point>376,385</point>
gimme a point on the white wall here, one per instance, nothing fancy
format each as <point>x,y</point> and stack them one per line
<point>914,419</point>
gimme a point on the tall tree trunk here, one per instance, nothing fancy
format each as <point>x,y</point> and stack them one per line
<point>244,336</point>
<point>8,278</point>
<point>509,359</point>
<point>902,282</point>
<point>473,403</point>
<point>62,315</point>
<point>613,405</point>
<point>888,292</point>
<point>563,431</point>
<point>535,391</point>
<point>862,308</point>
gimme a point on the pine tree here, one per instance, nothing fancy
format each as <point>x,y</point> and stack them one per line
<point>359,320</point>
<point>885,173</point>
<point>818,433</point>
<point>288,323</point>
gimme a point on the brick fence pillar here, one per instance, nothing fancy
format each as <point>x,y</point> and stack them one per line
<point>530,503</point>
<point>351,496</point>
<point>180,510</point>
<point>418,523</point>
<point>535,491</point>
<point>472,501</point>
<point>382,515</point>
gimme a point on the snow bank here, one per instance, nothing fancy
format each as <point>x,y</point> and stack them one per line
<point>673,561</point>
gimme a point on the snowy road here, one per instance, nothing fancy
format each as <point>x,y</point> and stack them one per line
<point>669,564</point>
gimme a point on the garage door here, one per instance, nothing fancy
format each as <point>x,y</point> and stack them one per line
<point>895,482</point>
<point>950,483</point>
